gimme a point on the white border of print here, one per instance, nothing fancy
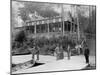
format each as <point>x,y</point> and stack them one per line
<point>5,37</point>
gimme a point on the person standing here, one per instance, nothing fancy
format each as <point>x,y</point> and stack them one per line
<point>37,51</point>
<point>86,54</point>
<point>34,51</point>
<point>68,52</point>
<point>61,52</point>
<point>57,51</point>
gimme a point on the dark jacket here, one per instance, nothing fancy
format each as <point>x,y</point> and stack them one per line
<point>86,51</point>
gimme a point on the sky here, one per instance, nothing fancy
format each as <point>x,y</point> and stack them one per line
<point>84,10</point>
<point>15,11</point>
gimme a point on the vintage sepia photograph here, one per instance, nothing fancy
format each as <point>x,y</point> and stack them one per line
<point>52,37</point>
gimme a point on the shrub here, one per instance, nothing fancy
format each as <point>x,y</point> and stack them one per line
<point>47,45</point>
<point>20,37</point>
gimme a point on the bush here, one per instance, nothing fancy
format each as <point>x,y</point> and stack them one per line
<point>20,37</point>
<point>46,45</point>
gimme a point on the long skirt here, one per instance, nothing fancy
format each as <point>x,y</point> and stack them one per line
<point>60,56</point>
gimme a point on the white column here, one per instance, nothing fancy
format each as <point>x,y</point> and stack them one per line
<point>48,26</point>
<point>71,20</point>
<point>73,27</point>
<point>35,28</point>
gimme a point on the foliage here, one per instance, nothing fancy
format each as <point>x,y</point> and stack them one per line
<point>20,37</point>
<point>47,45</point>
<point>42,9</point>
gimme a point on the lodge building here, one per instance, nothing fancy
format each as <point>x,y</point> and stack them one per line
<point>49,26</point>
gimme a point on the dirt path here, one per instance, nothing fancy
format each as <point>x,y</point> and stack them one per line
<point>50,64</point>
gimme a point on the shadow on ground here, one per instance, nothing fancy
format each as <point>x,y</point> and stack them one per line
<point>25,65</point>
<point>90,67</point>
<point>37,64</point>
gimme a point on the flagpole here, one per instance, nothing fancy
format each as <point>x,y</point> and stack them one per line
<point>35,23</point>
<point>78,30</point>
<point>62,15</point>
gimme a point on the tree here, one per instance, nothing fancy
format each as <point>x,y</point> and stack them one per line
<point>41,8</point>
<point>20,37</point>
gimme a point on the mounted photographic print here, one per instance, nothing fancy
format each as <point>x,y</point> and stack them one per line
<point>52,37</point>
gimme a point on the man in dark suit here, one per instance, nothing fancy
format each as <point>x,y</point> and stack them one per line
<point>69,52</point>
<point>86,54</point>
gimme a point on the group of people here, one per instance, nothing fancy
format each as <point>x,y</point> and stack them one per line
<point>59,52</point>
